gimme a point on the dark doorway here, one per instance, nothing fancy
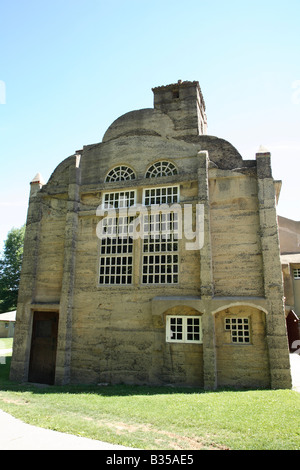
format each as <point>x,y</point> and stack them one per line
<point>292,323</point>
<point>43,348</point>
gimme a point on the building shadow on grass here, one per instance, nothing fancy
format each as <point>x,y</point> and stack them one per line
<point>103,389</point>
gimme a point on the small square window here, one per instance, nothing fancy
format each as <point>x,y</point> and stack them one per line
<point>297,273</point>
<point>239,328</point>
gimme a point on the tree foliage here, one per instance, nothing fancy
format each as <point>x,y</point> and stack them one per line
<point>10,269</point>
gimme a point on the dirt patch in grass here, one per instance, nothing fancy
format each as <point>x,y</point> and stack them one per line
<point>15,402</point>
<point>174,441</point>
<point>189,443</point>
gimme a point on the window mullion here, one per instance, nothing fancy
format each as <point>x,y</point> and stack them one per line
<point>184,329</point>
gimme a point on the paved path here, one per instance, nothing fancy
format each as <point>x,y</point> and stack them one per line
<point>295,368</point>
<point>16,435</point>
<point>5,351</point>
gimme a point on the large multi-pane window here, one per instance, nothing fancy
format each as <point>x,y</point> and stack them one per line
<point>160,230</point>
<point>116,252</point>
<point>183,329</point>
<point>160,264</point>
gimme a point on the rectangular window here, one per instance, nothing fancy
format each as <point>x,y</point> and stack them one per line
<point>160,269</point>
<point>297,273</point>
<point>184,329</point>
<point>116,259</point>
<point>239,328</point>
<point>119,200</point>
<point>116,270</point>
<point>160,249</point>
<point>165,195</point>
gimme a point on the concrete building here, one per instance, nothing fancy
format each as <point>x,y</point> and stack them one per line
<point>289,236</point>
<point>152,257</point>
<point>7,324</point>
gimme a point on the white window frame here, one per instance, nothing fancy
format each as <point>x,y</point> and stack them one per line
<point>118,199</point>
<point>158,195</point>
<point>239,328</point>
<point>161,168</point>
<point>120,173</point>
<point>187,329</point>
<point>296,272</point>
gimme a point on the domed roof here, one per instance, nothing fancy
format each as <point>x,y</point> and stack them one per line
<point>141,122</point>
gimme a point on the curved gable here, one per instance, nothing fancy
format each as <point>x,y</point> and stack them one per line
<point>140,122</point>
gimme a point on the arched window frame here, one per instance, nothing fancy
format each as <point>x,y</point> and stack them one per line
<point>161,168</point>
<point>120,173</point>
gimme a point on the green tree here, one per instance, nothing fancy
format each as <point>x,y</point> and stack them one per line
<point>10,269</point>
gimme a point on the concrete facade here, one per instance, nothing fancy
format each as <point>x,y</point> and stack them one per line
<point>120,329</point>
<point>7,324</point>
<point>289,236</point>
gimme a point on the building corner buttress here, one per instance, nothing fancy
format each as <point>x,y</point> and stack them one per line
<point>280,375</point>
<point>64,345</point>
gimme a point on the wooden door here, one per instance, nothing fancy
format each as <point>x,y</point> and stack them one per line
<point>43,348</point>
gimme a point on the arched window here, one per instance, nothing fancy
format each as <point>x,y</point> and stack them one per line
<point>120,173</point>
<point>161,169</point>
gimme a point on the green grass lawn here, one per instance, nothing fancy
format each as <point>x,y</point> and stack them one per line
<point>159,417</point>
<point>6,343</point>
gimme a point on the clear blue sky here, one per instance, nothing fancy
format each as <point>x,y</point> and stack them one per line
<point>71,67</point>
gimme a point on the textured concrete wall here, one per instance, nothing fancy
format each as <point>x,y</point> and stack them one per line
<point>241,365</point>
<point>118,333</point>
<point>235,234</point>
